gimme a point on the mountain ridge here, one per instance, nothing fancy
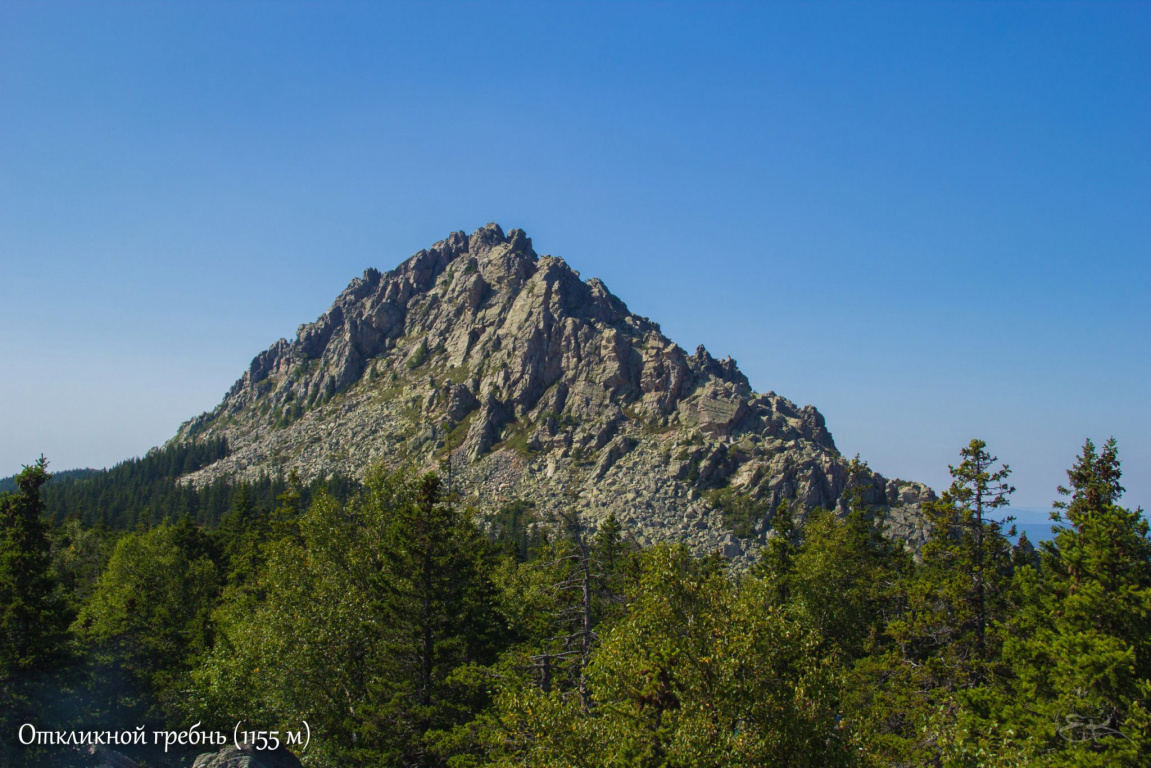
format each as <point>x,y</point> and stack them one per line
<point>533,384</point>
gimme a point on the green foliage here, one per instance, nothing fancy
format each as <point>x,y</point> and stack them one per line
<point>844,580</point>
<point>79,556</point>
<point>117,497</point>
<point>517,439</point>
<point>967,566</point>
<point>361,626</point>
<point>741,513</point>
<point>515,531</point>
<point>300,649</point>
<point>30,613</point>
<point>939,655</point>
<point>413,409</point>
<point>580,458</point>
<point>701,672</point>
<point>433,592</point>
<point>563,419</point>
<point>1081,646</point>
<point>282,416</point>
<point>457,434</point>
<point>8,484</point>
<point>305,369</point>
<point>152,604</point>
<point>381,616</point>
<point>459,374</point>
<point>242,534</point>
<point>778,564</point>
<point>150,490</point>
<point>419,357</point>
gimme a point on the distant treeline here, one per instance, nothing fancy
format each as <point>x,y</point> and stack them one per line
<point>148,490</point>
<point>8,484</point>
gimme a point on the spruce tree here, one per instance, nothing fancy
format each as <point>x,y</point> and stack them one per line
<point>940,651</point>
<point>1081,649</point>
<point>776,565</point>
<point>433,599</point>
<point>31,615</point>
<point>243,531</point>
<point>967,562</point>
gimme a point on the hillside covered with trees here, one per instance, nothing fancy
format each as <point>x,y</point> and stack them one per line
<point>407,631</point>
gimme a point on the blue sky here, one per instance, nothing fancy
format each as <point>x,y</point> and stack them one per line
<point>930,220</point>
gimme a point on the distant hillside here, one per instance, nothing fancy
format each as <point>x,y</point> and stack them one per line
<point>150,489</point>
<point>8,484</point>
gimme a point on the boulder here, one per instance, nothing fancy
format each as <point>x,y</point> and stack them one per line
<point>247,757</point>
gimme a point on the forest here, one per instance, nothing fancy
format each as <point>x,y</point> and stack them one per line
<point>407,631</point>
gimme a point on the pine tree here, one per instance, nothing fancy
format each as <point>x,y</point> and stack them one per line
<point>580,580</point>
<point>615,567</point>
<point>284,522</point>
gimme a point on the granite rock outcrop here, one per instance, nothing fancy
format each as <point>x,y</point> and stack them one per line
<point>535,385</point>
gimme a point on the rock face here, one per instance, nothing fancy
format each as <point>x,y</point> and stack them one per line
<point>535,385</point>
<point>230,757</point>
<point>110,758</point>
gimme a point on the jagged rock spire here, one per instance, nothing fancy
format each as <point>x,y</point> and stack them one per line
<point>536,384</point>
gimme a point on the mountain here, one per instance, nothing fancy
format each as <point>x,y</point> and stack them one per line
<point>533,385</point>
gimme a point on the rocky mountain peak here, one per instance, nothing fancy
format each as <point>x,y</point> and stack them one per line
<point>539,386</point>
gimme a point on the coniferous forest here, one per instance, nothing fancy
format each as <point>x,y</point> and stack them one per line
<point>406,632</point>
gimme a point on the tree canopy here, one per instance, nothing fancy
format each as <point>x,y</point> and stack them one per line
<point>407,630</point>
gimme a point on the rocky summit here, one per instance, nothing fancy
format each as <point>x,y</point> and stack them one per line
<point>480,357</point>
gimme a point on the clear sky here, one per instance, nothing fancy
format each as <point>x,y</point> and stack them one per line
<point>930,220</point>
